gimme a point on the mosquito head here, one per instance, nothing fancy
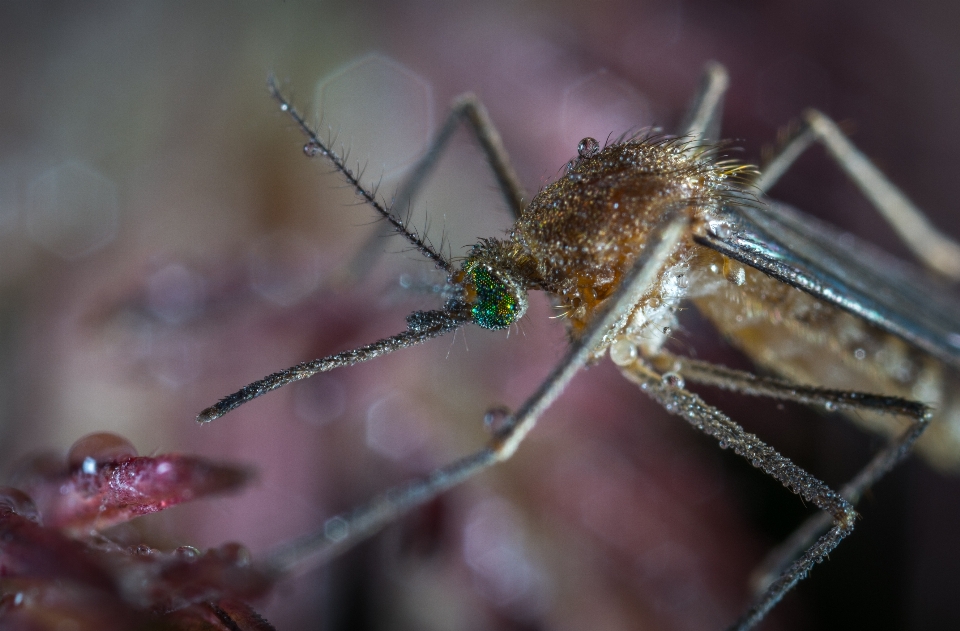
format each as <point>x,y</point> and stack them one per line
<point>495,300</point>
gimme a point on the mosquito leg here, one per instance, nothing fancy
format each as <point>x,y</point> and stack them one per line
<point>934,249</point>
<point>713,422</point>
<point>799,140</point>
<point>702,372</point>
<point>745,383</point>
<point>346,530</point>
<point>703,118</point>
<point>468,109</point>
<point>465,109</point>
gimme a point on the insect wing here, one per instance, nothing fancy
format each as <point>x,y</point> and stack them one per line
<point>842,270</point>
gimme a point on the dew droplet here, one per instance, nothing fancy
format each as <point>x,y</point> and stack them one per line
<point>497,419</point>
<point>720,229</point>
<point>187,552</point>
<point>284,107</point>
<point>101,447</point>
<point>723,444</point>
<point>672,380</point>
<point>588,147</point>
<point>623,352</point>
<point>313,149</point>
<point>19,503</point>
<point>830,406</point>
<point>860,354</point>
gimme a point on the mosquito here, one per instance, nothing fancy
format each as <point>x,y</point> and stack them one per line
<point>633,230</point>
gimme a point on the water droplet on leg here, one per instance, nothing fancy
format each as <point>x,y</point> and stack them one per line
<point>497,419</point>
<point>623,352</point>
<point>672,380</point>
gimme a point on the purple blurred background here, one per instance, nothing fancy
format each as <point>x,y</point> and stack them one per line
<point>164,241</point>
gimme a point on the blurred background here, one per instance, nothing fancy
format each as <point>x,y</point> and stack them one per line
<point>164,241</point>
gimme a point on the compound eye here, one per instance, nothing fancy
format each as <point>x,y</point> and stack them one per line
<point>497,306</point>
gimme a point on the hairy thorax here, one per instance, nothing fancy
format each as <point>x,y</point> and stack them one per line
<point>581,234</point>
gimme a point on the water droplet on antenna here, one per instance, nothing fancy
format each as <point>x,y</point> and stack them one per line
<point>313,149</point>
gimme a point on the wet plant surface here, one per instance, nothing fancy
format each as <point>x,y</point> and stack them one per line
<point>58,566</point>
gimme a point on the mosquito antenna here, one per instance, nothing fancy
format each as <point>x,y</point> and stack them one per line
<point>316,146</point>
<point>422,326</point>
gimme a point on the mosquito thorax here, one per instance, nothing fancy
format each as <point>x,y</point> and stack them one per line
<point>585,230</point>
<point>494,298</point>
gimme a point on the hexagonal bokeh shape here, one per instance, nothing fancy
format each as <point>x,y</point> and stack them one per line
<point>380,111</point>
<point>600,105</point>
<point>72,210</point>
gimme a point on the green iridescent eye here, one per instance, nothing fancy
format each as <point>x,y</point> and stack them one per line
<point>497,307</point>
